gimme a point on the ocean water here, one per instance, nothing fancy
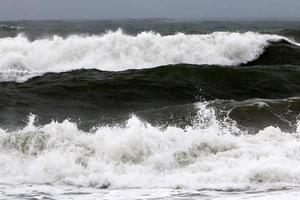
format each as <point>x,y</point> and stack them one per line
<point>149,109</point>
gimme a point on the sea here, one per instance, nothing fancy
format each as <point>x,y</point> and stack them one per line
<point>137,109</point>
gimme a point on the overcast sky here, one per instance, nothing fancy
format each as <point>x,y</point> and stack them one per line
<point>107,9</point>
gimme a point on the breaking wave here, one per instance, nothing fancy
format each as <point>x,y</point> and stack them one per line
<point>211,154</point>
<point>21,58</point>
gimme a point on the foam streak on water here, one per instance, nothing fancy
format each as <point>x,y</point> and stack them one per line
<point>116,51</point>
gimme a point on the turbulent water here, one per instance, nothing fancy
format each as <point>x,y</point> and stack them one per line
<point>149,109</point>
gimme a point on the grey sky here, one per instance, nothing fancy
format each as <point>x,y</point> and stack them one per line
<point>104,9</point>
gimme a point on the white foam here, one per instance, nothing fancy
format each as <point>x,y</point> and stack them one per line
<point>209,155</point>
<point>81,193</point>
<point>21,59</point>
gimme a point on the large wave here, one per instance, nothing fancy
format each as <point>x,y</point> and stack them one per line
<point>21,58</point>
<point>210,155</point>
<point>92,94</point>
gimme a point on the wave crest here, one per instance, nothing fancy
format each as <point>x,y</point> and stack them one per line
<point>116,51</point>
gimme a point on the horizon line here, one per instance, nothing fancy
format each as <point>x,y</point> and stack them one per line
<point>228,19</point>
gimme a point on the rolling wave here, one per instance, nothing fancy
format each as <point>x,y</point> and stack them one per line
<point>278,53</point>
<point>211,155</point>
<point>95,96</point>
<point>21,59</point>
<point>294,34</point>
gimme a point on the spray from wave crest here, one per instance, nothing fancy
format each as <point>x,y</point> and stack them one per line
<point>210,155</point>
<point>21,59</point>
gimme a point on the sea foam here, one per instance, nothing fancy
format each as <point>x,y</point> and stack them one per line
<point>21,58</point>
<point>210,155</point>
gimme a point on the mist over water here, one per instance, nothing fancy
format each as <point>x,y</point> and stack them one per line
<point>149,108</point>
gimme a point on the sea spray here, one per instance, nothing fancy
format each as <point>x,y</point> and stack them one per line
<point>138,155</point>
<point>21,58</point>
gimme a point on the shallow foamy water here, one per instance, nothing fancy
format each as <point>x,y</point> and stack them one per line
<point>77,193</point>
